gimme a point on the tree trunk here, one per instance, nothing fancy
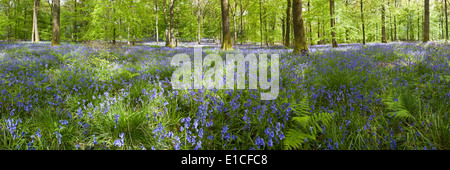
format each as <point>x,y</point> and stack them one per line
<point>261,22</point>
<point>310,23</point>
<point>395,28</point>
<point>55,32</point>
<point>114,25</point>
<point>363,27</point>
<point>288,24</point>
<point>426,23</point>
<point>234,23</point>
<point>17,21</point>
<point>318,32</point>
<point>74,34</point>
<point>300,46</point>
<point>411,25</point>
<point>390,25</point>
<point>226,37</point>
<point>241,33</point>
<point>282,29</point>
<point>333,33</point>
<point>133,11</point>
<point>383,24</point>
<point>418,25</point>
<point>35,36</point>
<point>446,21</point>
<point>199,22</point>
<point>32,28</point>
<point>156,24</point>
<point>171,37</point>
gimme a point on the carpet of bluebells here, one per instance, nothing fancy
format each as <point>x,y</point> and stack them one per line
<point>381,97</point>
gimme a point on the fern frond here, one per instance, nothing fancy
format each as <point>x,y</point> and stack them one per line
<point>306,124</point>
<point>295,138</point>
<point>397,107</point>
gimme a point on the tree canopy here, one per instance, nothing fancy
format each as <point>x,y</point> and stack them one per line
<point>251,21</point>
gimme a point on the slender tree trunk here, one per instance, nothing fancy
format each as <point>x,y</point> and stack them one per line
<point>75,22</point>
<point>114,25</point>
<point>318,32</point>
<point>390,27</point>
<point>32,28</point>
<point>446,21</point>
<point>133,12</point>
<point>55,32</point>
<point>441,23</point>
<point>288,24</point>
<point>274,21</point>
<point>362,20</point>
<point>282,30</point>
<point>156,22</point>
<point>234,23</point>
<point>426,24</point>
<point>310,23</point>
<point>333,29</point>
<point>24,23</point>
<point>36,38</point>
<point>172,27</point>
<point>395,28</point>
<point>15,25</point>
<point>260,22</point>
<point>226,43</point>
<point>241,33</point>
<point>300,46</point>
<point>383,24</point>
<point>411,22</point>
<point>199,20</point>
<point>171,38</point>
<point>166,24</point>
<point>418,25</point>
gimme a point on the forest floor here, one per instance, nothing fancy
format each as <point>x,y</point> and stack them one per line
<point>74,96</point>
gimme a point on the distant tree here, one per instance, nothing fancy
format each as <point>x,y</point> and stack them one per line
<point>55,32</point>
<point>199,22</point>
<point>333,29</point>
<point>288,24</point>
<point>426,23</point>
<point>300,46</point>
<point>35,29</point>
<point>156,22</point>
<point>261,22</point>
<point>171,36</point>
<point>383,24</point>
<point>446,20</point>
<point>226,37</point>
<point>362,21</point>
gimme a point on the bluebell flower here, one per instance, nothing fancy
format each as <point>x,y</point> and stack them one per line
<point>200,133</point>
<point>38,134</point>
<point>63,122</point>
<point>12,112</point>
<point>116,119</point>
<point>11,125</point>
<point>119,142</point>
<point>94,141</point>
<point>259,142</point>
<point>270,143</point>
<point>58,135</point>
